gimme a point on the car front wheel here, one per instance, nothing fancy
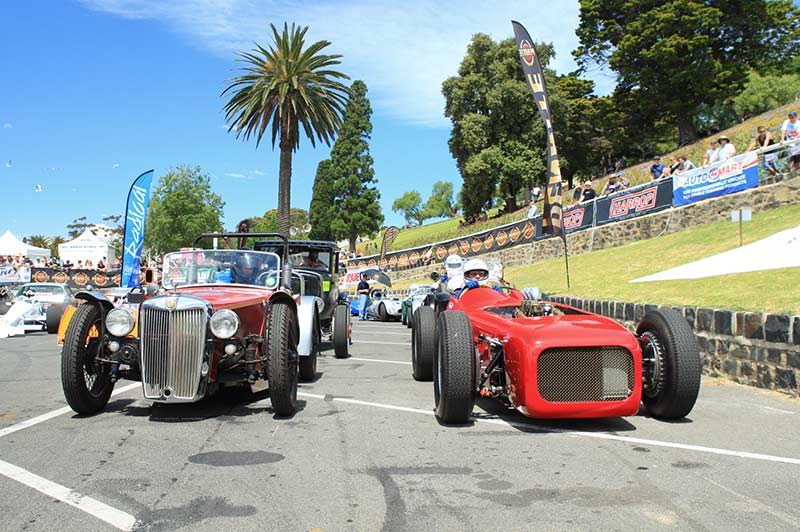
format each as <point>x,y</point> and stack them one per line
<point>341,331</point>
<point>308,364</point>
<point>87,383</point>
<point>454,368</point>
<point>670,364</point>
<point>423,343</point>
<point>282,359</point>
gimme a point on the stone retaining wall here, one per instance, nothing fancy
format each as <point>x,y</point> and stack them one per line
<point>753,348</point>
<point>763,198</point>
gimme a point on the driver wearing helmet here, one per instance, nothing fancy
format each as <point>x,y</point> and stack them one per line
<point>454,272</point>
<point>476,275</point>
<point>246,267</point>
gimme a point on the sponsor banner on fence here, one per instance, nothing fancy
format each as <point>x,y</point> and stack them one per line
<point>637,201</point>
<point>78,279</point>
<point>736,174</point>
<point>12,276</point>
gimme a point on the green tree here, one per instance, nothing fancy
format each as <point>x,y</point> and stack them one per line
<point>322,210</point>
<point>183,206</point>
<point>440,204</point>
<point>116,223</point>
<point>291,86</point>
<point>40,241</point>
<point>78,226</point>
<point>672,56</point>
<point>498,139</point>
<point>763,93</point>
<point>54,242</point>
<point>410,204</point>
<point>357,209</point>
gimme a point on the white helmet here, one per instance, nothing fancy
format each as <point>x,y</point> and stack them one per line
<point>453,263</point>
<point>476,265</point>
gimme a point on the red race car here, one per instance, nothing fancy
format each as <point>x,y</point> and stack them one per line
<point>551,360</point>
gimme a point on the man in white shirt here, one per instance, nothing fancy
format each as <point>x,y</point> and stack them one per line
<point>726,149</point>
<point>711,153</point>
<point>790,130</point>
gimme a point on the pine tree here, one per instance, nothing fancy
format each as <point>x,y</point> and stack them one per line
<point>321,212</point>
<point>357,210</point>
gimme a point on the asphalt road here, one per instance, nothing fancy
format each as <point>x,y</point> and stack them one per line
<point>365,453</point>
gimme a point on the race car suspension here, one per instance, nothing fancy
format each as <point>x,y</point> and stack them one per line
<point>496,349</point>
<point>251,346</point>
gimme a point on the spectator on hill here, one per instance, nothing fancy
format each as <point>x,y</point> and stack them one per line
<point>684,165</point>
<point>726,148</point>
<point>657,169</point>
<point>621,164</point>
<point>532,210</point>
<point>535,193</point>
<point>712,153</point>
<point>588,193</point>
<point>762,140</point>
<point>674,165</point>
<point>622,181</point>
<point>577,193</point>
<point>611,186</point>
<point>790,130</point>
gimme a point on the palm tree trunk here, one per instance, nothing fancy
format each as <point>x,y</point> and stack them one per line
<point>285,177</point>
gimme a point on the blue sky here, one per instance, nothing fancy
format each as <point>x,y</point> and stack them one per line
<point>94,92</point>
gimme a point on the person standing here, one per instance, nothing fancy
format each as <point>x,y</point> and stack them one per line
<point>726,149</point>
<point>363,297</point>
<point>657,169</point>
<point>711,153</point>
<point>790,130</point>
<point>761,141</point>
<point>535,193</point>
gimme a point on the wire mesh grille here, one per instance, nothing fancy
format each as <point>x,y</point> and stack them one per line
<point>584,374</point>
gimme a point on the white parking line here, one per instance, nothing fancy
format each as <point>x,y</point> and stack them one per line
<point>379,360</point>
<point>116,518</point>
<point>408,344</point>
<point>595,435</point>
<point>55,413</point>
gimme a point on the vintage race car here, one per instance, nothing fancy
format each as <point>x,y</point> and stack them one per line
<point>224,317</point>
<point>35,307</point>
<point>551,361</point>
<point>413,301</point>
<point>383,307</point>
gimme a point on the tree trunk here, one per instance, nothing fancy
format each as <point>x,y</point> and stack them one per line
<point>353,243</point>
<point>686,131</point>
<point>284,188</point>
<point>511,204</point>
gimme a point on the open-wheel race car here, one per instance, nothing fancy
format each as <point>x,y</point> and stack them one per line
<point>549,360</point>
<point>315,267</point>
<point>224,317</point>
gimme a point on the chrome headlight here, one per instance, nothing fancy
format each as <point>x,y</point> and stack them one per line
<point>224,323</point>
<point>120,322</point>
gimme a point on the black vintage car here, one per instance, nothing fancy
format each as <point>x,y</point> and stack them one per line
<point>315,272</point>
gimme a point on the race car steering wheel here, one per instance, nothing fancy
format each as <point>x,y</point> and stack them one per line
<point>505,287</point>
<point>268,278</point>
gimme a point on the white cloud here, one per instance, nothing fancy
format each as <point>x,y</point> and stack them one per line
<point>8,125</point>
<point>402,50</point>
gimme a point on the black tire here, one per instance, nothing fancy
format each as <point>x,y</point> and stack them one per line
<point>282,359</point>
<point>384,316</point>
<point>454,381</point>
<point>676,377</point>
<point>341,331</point>
<point>53,318</point>
<point>308,364</point>
<point>423,344</point>
<point>87,386</point>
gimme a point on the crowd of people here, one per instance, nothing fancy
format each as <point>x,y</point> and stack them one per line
<point>20,263</point>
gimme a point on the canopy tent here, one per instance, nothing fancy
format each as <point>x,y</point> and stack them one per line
<point>86,247</point>
<point>11,245</point>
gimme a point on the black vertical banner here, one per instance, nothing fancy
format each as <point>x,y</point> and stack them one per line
<point>532,70</point>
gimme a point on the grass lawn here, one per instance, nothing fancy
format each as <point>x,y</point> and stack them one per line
<point>605,274</point>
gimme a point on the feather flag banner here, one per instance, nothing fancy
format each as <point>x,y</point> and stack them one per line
<point>135,222</point>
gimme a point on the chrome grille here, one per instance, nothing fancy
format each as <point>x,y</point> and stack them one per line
<point>583,374</point>
<point>172,344</point>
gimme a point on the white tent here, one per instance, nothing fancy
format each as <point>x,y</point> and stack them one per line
<point>86,247</point>
<point>11,245</point>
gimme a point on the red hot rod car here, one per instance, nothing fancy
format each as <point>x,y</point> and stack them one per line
<point>551,360</point>
<point>224,317</point>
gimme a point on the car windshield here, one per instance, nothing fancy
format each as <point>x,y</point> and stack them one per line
<point>221,266</point>
<point>41,290</point>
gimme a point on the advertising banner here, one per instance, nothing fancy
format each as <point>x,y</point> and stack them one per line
<point>11,276</point>
<point>644,199</point>
<point>135,222</point>
<point>736,174</point>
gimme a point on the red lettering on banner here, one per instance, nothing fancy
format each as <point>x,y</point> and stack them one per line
<point>573,218</point>
<point>641,201</point>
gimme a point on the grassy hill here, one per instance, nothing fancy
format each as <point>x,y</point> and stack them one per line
<point>605,274</point>
<point>740,136</point>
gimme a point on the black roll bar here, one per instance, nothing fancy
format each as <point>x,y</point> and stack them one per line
<point>286,270</point>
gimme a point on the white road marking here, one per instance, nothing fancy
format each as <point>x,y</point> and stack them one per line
<point>778,410</point>
<point>596,435</point>
<point>116,518</point>
<point>379,360</point>
<point>55,413</point>
<point>388,332</point>
<point>408,344</point>
<point>786,518</point>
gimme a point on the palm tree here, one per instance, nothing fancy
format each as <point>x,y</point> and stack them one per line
<point>40,241</point>
<point>288,86</point>
<point>54,242</point>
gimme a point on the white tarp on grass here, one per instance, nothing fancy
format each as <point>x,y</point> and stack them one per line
<point>781,250</point>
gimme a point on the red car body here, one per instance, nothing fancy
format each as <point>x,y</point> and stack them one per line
<point>528,340</point>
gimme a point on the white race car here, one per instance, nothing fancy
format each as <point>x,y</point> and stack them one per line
<point>31,309</point>
<point>414,300</point>
<point>383,307</point>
